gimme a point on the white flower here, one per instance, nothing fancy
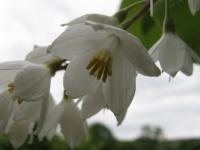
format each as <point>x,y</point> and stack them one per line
<point>194,6</point>
<point>173,54</point>
<point>26,81</point>
<point>103,54</point>
<point>72,125</point>
<point>18,119</point>
<point>17,130</point>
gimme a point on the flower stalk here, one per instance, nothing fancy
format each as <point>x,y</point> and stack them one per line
<point>140,13</point>
<point>56,66</point>
<point>122,13</point>
<point>168,25</point>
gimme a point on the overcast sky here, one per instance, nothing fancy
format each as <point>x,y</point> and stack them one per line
<point>174,106</point>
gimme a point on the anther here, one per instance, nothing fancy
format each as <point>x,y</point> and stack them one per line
<point>10,87</point>
<point>100,65</point>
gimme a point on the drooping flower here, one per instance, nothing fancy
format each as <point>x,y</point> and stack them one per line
<point>24,118</point>
<point>69,117</point>
<point>194,6</point>
<point>18,119</point>
<point>25,82</point>
<point>103,55</point>
<point>173,54</point>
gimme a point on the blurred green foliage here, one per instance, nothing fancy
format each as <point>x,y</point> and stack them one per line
<point>100,138</point>
<point>149,29</point>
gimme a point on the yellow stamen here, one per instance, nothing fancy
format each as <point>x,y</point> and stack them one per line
<point>100,65</point>
<point>10,87</point>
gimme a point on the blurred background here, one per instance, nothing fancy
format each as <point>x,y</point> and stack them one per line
<point>162,111</point>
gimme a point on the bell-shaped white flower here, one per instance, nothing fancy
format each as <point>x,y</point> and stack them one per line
<point>8,71</point>
<point>69,117</point>
<point>194,6</point>
<point>18,119</point>
<point>103,54</point>
<point>26,81</point>
<point>173,54</point>
<point>17,131</point>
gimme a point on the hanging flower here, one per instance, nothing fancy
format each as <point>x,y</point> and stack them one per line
<point>194,6</point>
<point>174,54</point>
<point>26,81</point>
<point>103,55</point>
<point>69,117</point>
<point>23,81</point>
<point>18,119</point>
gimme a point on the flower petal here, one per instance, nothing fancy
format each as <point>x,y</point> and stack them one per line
<point>194,55</point>
<point>172,53</point>
<point>52,119</point>
<point>8,71</point>
<point>6,110</point>
<point>39,55</point>
<point>120,88</point>
<point>77,77</point>
<point>187,67</point>
<point>76,40</point>
<point>154,50</point>
<point>19,133</point>
<point>28,111</point>
<point>72,124</point>
<point>5,101</point>
<point>93,103</point>
<point>32,83</point>
<point>96,18</point>
<point>43,113</point>
<point>121,117</point>
<point>135,52</point>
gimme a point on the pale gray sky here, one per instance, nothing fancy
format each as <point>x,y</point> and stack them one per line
<point>172,105</point>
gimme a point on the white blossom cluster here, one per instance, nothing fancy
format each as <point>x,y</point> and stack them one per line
<point>101,63</point>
